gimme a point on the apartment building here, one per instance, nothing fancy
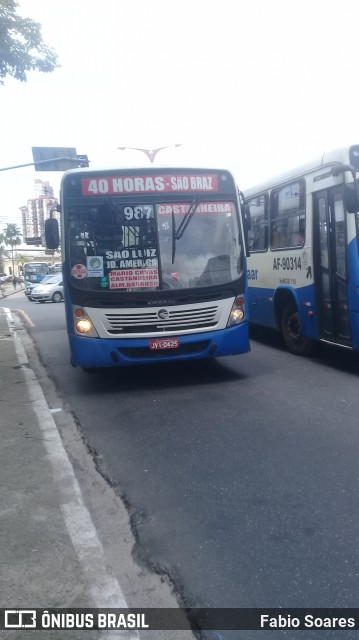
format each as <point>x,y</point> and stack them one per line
<point>36,211</point>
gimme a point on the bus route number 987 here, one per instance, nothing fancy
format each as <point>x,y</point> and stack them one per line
<point>138,213</point>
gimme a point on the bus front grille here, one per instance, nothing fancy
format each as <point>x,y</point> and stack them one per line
<point>151,322</point>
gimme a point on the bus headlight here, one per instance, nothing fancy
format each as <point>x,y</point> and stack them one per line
<point>83,324</point>
<point>237,314</point>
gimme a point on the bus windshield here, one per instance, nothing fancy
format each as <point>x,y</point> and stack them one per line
<point>151,245</point>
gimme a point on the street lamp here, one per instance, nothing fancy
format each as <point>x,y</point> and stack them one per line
<point>150,153</point>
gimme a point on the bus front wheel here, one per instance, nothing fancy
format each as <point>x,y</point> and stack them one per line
<point>292,334</point>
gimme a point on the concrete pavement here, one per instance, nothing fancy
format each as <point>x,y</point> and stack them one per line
<point>52,555</point>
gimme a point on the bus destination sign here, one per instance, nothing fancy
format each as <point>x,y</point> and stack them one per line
<point>178,183</point>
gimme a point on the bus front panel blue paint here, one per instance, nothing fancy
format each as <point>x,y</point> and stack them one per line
<point>100,352</point>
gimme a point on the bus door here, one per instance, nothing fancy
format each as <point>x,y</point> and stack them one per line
<point>331,276</point>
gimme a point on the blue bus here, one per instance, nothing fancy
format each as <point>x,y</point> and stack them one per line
<point>303,269</point>
<point>34,272</point>
<point>154,265</point>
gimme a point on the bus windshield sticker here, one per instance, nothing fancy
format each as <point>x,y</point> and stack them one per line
<point>95,266</point>
<point>202,207</point>
<point>133,278</point>
<point>132,259</point>
<point>79,271</point>
<point>112,185</point>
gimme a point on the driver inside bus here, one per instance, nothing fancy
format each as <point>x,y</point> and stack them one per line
<point>108,231</point>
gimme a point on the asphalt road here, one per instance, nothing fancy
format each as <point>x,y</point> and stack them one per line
<point>241,475</point>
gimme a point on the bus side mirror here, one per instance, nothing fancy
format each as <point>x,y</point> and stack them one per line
<point>247,226</point>
<point>351,197</point>
<point>52,235</point>
<point>247,216</point>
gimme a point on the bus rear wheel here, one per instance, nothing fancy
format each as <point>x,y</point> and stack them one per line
<point>292,334</point>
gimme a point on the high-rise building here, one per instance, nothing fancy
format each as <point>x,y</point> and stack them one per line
<point>43,189</point>
<point>36,211</point>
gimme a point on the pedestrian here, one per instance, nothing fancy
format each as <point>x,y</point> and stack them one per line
<point>14,282</point>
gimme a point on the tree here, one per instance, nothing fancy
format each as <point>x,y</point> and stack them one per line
<point>3,253</point>
<point>21,46</point>
<point>21,258</point>
<point>12,238</point>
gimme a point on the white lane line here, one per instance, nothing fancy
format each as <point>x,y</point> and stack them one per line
<point>104,588</point>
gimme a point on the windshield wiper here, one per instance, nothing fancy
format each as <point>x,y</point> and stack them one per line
<point>187,219</point>
<point>177,234</point>
<point>174,232</point>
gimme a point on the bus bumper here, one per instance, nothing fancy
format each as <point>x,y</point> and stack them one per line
<point>100,352</point>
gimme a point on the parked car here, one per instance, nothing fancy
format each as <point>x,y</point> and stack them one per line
<point>5,278</point>
<point>31,285</point>
<point>50,291</point>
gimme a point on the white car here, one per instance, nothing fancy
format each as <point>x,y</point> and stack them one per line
<point>50,291</point>
<point>29,286</point>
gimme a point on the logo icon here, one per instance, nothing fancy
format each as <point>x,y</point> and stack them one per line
<point>20,619</point>
<point>163,314</point>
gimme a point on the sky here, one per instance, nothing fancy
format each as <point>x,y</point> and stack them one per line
<point>255,86</point>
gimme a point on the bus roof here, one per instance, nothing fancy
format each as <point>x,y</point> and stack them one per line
<point>146,169</point>
<point>329,158</point>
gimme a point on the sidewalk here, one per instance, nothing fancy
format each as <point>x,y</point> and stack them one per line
<point>7,289</point>
<point>51,555</point>
<point>39,565</point>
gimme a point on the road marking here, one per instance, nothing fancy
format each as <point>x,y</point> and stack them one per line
<point>104,588</point>
<point>25,316</point>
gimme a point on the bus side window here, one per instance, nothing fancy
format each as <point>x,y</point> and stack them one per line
<point>258,233</point>
<point>288,216</point>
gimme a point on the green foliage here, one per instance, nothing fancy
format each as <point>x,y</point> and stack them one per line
<point>12,234</point>
<point>3,253</point>
<point>21,46</point>
<point>12,237</point>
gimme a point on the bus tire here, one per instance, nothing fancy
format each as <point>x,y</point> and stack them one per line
<point>292,332</point>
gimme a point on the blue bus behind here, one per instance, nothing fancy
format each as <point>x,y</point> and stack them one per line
<point>303,270</point>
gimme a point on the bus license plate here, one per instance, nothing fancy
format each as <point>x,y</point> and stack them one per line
<point>164,343</point>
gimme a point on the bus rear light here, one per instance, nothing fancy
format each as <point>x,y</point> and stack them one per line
<point>239,301</point>
<point>78,313</point>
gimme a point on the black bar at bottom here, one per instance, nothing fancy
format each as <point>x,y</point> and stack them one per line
<point>196,619</point>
